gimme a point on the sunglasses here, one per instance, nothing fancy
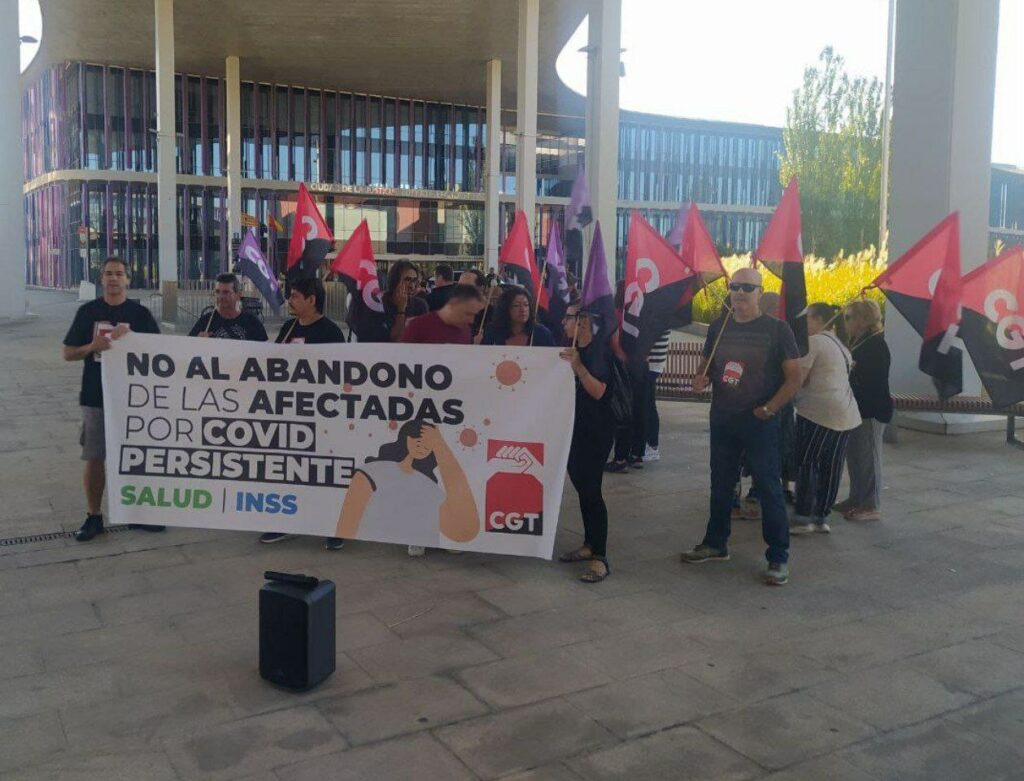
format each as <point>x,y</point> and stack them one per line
<point>746,287</point>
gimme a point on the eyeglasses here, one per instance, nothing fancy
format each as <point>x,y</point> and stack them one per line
<point>746,287</point>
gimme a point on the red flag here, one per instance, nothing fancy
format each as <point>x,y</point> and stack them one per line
<point>517,255</point>
<point>357,268</point>
<point>311,239</point>
<point>698,252</point>
<point>655,285</point>
<point>992,325</point>
<point>924,284</point>
<point>782,253</point>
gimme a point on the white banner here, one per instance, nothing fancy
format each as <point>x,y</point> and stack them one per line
<point>441,446</point>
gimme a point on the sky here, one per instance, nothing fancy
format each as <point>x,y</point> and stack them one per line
<point>706,59</point>
<point>740,60</point>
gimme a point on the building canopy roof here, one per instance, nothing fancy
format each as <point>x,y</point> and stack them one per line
<point>421,49</point>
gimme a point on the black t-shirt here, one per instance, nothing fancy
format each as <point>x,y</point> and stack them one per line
<point>100,314</point>
<point>592,414</point>
<point>323,331</point>
<point>747,368</point>
<point>246,327</point>
<point>439,296</point>
<point>869,378</point>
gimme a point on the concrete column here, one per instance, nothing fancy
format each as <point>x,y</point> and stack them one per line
<point>492,174</point>
<point>12,198</point>
<point>526,109</point>
<point>943,93</point>
<point>234,147</point>
<point>166,177</point>
<point>604,45</point>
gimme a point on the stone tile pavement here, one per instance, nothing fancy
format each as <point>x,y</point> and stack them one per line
<point>896,652</point>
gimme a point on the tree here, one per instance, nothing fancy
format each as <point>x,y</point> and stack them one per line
<point>833,145</point>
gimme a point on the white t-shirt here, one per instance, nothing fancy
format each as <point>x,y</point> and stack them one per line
<point>405,507</point>
<point>826,397</point>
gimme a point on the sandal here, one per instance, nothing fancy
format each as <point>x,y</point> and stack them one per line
<point>572,556</point>
<point>596,577</point>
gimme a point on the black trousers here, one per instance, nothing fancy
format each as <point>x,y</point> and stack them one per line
<point>631,440</point>
<point>587,455</point>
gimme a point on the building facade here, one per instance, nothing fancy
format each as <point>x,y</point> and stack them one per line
<point>413,169</point>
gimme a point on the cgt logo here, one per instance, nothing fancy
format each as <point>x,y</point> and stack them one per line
<point>515,497</point>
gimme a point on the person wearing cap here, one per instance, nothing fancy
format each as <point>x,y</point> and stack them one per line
<point>751,362</point>
<point>826,413</point>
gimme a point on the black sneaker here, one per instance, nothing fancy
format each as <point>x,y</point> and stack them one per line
<point>93,525</point>
<point>616,466</point>
<point>146,527</point>
<point>703,553</point>
<point>269,537</point>
<point>334,543</point>
<point>636,463</point>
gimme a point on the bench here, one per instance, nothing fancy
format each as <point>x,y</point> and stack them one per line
<point>676,384</point>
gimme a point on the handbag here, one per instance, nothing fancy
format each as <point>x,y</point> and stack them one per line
<point>619,393</point>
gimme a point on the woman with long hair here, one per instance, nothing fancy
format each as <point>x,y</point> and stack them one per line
<point>514,322</point>
<point>401,302</point>
<point>396,496</point>
<point>826,413</point>
<point>870,382</point>
<point>592,434</point>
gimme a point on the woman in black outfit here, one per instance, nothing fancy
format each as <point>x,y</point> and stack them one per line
<point>514,322</point>
<point>869,380</point>
<point>592,435</point>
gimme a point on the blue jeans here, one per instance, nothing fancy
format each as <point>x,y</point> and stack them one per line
<point>758,440</point>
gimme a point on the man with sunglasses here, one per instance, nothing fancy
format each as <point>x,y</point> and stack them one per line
<point>751,362</point>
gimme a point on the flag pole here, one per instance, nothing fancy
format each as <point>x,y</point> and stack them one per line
<point>536,303</point>
<point>487,305</point>
<point>209,320</point>
<point>714,348</point>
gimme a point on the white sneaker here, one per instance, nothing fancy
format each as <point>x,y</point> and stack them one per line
<point>652,454</point>
<point>822,528</point>
<point>417,550</point>
<point>802,528</point>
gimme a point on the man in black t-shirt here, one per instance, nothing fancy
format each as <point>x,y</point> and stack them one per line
<point>309,326</point>
<point>751,362</point>
<point>227,321</point>
<point>96,323</point>
<point>444,284</point>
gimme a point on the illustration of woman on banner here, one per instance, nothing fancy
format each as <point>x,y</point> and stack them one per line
<point>396,496</point>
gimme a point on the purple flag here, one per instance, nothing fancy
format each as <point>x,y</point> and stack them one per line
<point>555,295</point>
<point>578,214</point>
<point>675,238</point>
<point>253,264</point>
<point>597,289</point>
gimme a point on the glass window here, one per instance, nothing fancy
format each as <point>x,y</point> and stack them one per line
<point>390,178</point>
<point>419,141</point>
<point>214,114</point>
<point>345,145</point>
<point>359,148</point>
<point>282,112</point>
<point>264,110</point>
<point>115,114</point>
<point>313,141</point>
<point>248,111</point>
<point>136,121</point>
<point>93,119</point>
<point>298,115</point>
<point>195,126</point>
<point>375,141</point>
<point>329,136</point>
<point>405,156</point>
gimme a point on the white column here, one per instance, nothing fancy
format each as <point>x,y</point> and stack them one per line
<point>604,42</point>
<point>12,198</point>
<point>492,174</point>
<point>526,109</point>
<point>234,147</point>
<point>943,92</point>
<point>166,177</point>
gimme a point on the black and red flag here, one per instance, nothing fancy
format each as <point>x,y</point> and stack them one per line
<point>782,253</point>
<point>924,285</point>
<point>311,239</point>
<point>357,268</point>
<point>656,285</point>
<point>517,258</point>
<point>992,325</point>
<point>697,251</point>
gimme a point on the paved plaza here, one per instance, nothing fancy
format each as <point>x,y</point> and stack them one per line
<point>895,652</point>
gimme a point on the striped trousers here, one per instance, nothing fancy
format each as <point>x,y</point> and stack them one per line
<point>820,454</point>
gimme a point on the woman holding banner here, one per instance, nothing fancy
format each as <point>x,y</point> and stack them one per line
<point>515,322</point>
<point>592,435</point>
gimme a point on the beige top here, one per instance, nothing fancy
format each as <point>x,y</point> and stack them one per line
<point>826,397</point>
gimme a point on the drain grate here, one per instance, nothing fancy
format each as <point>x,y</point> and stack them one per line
<point>11,541</point>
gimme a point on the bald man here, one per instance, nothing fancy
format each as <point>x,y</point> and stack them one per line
<point>754,372</point>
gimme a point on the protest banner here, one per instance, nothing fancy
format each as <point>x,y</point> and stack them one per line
<point>447,447</point>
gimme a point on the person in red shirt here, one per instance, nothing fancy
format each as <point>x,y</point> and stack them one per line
<point>451,324</point>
